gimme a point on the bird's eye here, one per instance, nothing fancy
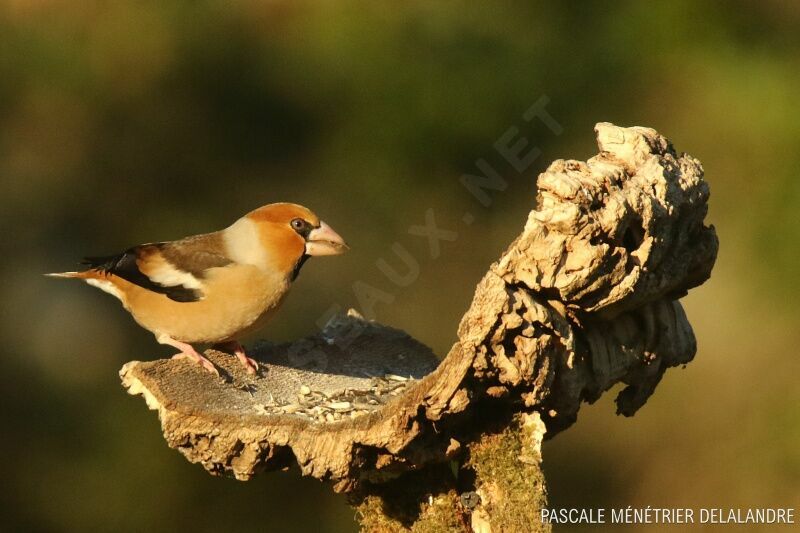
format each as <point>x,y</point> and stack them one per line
<point>298,224</point>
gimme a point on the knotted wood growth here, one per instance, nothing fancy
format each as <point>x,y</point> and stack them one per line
<point>584,298</point>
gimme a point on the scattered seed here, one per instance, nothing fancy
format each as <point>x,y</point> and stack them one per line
<point>290,408</point>
<point>318,407</point>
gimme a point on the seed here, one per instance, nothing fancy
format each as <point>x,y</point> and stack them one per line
<point>290,408</point>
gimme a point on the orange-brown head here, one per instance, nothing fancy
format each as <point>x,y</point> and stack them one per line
<point>281,236</point>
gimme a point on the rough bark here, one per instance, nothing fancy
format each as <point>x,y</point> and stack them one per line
<point>584,298</point>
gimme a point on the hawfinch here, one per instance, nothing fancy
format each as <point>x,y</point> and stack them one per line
<point>214,288</point>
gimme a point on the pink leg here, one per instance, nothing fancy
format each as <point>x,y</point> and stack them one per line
<point>250,365</point>
<point>187,352</point>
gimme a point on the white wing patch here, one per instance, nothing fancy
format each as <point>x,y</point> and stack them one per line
<point>169,276</point>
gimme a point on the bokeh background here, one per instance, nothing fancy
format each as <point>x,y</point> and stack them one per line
<point>125,122</point>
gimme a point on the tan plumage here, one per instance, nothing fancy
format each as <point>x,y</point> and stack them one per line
<point>215,287</point>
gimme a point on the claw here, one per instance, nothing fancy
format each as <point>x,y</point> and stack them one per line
<point>199,359</point>
<point>250,365</point>
<point>188,352</point>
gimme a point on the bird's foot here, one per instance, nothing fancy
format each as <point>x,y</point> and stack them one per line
<point>199,359</point>
<point>250,365</point>
<point>188,352</point>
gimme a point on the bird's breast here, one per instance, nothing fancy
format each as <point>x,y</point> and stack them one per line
<point>236,299</point>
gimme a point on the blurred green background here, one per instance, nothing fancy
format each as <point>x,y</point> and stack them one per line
<point>126,122</point>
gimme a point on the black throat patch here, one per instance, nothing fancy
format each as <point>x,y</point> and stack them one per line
<point>299,265</point>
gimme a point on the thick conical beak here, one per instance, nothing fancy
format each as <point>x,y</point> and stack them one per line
<point>324,241</point>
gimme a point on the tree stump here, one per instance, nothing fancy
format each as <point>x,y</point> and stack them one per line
<point>585,297</point>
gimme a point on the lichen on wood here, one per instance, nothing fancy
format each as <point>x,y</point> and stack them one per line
<point>585,297</point>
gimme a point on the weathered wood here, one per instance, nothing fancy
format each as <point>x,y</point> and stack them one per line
<point>584,298</point>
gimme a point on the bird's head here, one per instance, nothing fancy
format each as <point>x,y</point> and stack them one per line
<point>287,233</point>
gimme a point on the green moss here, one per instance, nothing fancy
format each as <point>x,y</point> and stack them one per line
<point>506,473</point>
<point>371,516</point>
<point>418,502</point>
<point>443,515</point>
<point>508,477</point>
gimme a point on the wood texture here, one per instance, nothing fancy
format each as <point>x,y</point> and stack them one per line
<point>584,298</point>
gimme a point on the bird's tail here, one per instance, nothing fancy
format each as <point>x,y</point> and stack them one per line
<point>95,278</point>
<point>86,274</point>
